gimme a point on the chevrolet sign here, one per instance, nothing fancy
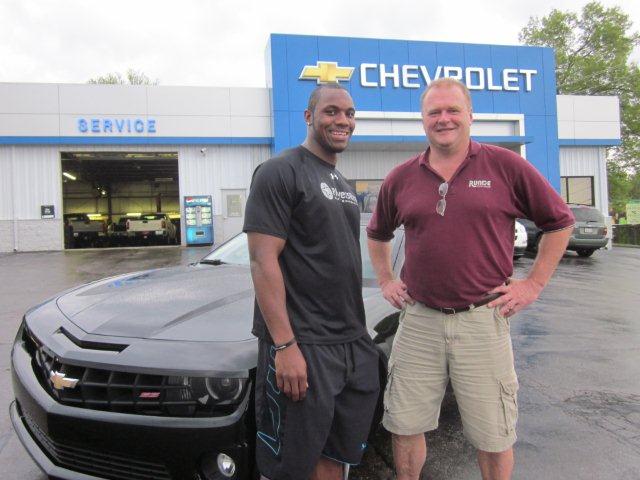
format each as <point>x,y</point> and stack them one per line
<point>326,72</point>
<point>376,75</point>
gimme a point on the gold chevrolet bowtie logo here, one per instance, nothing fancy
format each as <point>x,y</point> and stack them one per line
<point>326,72</point>
<point>60,380</point>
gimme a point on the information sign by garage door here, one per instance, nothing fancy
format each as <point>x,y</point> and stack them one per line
<point>47,211</point>
<point>233,202</point>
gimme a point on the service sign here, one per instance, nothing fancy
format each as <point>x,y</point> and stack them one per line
<point>116,126</point>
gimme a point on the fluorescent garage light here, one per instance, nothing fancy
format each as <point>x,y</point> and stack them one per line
<point>94,215</point>
<point>134,214</point>
<point>68,175</point>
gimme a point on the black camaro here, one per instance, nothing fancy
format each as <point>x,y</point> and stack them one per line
<point>150,375</point>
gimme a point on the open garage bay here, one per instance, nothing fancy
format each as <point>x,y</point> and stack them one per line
<point>114,199</point>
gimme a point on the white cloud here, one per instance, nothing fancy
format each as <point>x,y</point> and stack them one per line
<point>210,42</point>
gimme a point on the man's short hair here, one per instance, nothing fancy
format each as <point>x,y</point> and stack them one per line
<point>315,95</point>
<point>447,82</point>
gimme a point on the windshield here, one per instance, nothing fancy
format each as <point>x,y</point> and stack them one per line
<point>236,252</point>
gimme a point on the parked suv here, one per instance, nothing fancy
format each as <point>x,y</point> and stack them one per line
<point>589,233</point>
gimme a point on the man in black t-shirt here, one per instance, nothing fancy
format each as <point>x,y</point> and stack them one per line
<point>317,379</point>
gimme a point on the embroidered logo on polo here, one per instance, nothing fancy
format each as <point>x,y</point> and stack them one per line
<point>332,193</point>
<point>479,183</point>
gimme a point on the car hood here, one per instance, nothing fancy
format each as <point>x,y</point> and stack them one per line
<point>188,303</point>
<point>201,303</point>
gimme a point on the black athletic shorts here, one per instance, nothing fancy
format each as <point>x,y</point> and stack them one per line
<point>333,420</point>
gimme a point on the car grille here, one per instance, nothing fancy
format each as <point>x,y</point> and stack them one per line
<point>100,389</point>
<point>104,465</point>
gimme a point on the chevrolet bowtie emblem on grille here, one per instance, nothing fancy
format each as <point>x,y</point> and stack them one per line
<point>326,72</point>
<point>61,381</point>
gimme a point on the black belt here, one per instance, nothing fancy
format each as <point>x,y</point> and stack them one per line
<point>452,311</point>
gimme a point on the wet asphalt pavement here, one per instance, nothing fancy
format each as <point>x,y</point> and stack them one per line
<point>577,355</point>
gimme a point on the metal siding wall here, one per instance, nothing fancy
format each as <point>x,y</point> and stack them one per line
<point>601,179</point>
<point>219,168</point>
<point>587,162</point>
<point>6,188</point>
<point>370,165</point>
<point>36,181</point>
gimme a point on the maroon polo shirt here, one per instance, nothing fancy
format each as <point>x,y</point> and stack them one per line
<point>453,260</point>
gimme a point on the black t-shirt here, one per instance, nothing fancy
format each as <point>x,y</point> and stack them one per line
<point>306,201</point>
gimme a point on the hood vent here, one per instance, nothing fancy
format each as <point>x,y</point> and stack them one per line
<point>89,345</point>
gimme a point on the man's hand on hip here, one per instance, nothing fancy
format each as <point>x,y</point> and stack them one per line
<point>291,372</point>
<point>395,292</point>
<point>517,295</point>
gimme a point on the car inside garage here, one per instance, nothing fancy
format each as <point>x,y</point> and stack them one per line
<point>119,199</point>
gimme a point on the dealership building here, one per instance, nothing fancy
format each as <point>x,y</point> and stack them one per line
<point>116,150</point>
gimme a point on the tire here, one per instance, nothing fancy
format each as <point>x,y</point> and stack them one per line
<point>585,252</point>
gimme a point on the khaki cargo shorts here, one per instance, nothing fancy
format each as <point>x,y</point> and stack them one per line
<point>473,349</point>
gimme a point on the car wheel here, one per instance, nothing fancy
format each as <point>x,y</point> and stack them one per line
<point>585,252</point>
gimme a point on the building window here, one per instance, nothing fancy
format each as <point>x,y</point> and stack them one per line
<point>367,193</point>
<point>577,190</point>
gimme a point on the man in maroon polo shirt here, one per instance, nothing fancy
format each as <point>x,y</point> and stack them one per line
<point>458,202</point>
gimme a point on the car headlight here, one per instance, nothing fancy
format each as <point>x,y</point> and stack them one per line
<point>225,390</point>
<point>189,396</point>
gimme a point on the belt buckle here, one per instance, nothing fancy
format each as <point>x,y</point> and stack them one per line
<point>448,310</point>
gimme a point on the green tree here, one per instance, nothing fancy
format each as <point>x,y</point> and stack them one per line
<point>620,186</point>
<point>592,58</point>
<point>132,77</point>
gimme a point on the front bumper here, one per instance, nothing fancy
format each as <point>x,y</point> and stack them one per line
<point>78,443</point>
